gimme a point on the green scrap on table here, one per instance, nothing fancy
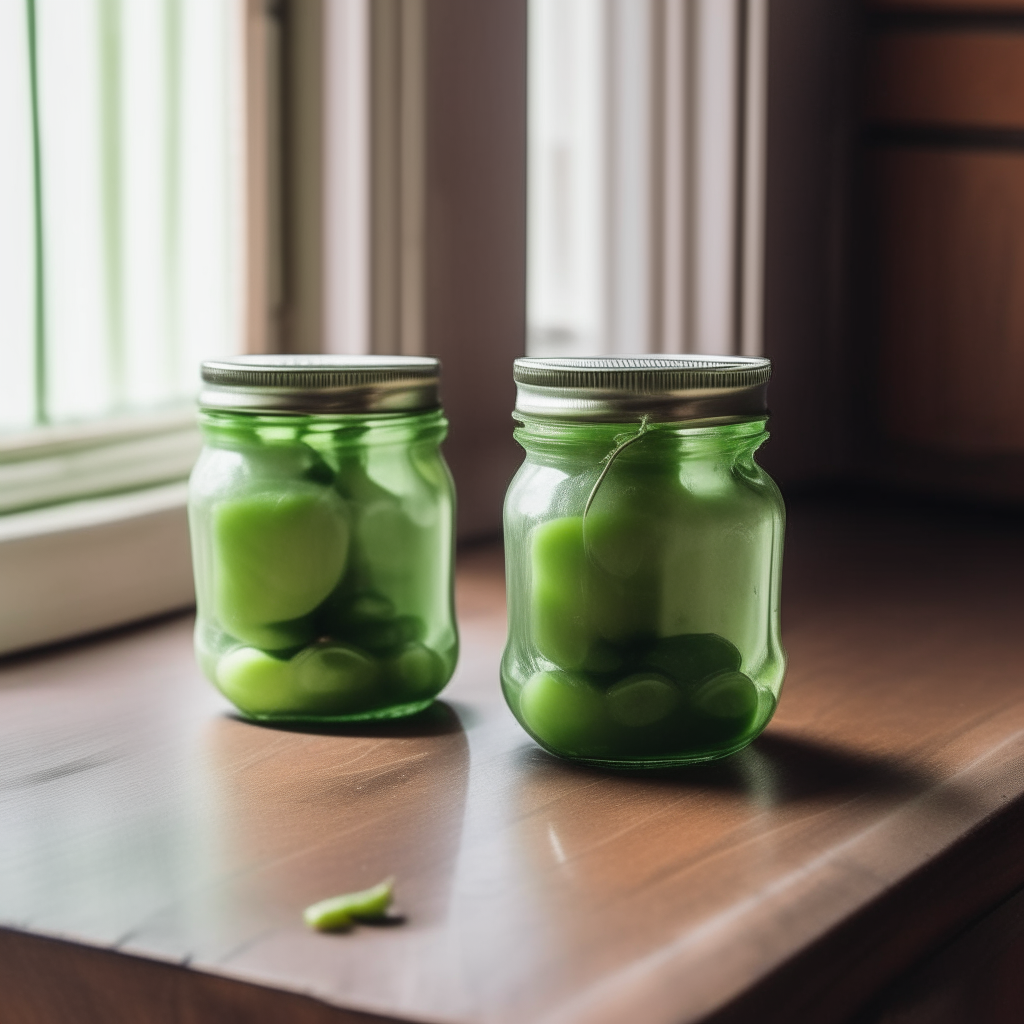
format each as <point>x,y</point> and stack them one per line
<point>340,912</point>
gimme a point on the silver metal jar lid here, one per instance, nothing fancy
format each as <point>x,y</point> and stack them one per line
<point>614,389</point>
<point>320,384</point>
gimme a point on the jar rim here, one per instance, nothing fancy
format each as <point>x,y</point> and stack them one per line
<point>320,384</point>
<point>663,387</point>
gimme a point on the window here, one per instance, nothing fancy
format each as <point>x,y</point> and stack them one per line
<point>121,199</point>
<point>646,123</point>
<point>122,192</point>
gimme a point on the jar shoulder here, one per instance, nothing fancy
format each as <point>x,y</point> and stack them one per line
<point>414,471</point>
<point>541,490</point>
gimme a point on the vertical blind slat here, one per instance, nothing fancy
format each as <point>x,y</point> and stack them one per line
<point>172,200</point>
<point>148,303</point>
<point>39,405</point>
<point>78,381</point>
<point>17,213</point>
<point>112,182</point>
<point>208,308</point>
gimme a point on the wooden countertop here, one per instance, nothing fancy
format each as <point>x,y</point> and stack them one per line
<point>880,813</point>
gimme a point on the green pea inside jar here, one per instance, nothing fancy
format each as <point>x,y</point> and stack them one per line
<point>312,486</point>
<point>643,547</point>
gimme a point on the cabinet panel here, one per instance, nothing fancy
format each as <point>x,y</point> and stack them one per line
<point>976,978</point>
<point>949,253</point>
<point>967,6</point>
<point>962,78</point>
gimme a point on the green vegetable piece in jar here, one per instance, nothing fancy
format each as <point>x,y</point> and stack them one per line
<point>558,616</point>
<point>389,635</point>
<point>641,700</point>
<point>368,621</point>
<point>727,706</point>
<point>396,553</point>
<point>565,713</point>
<point>622,544</point>
<point>280,636</point>
<point>255,682</point>
<point>319,472</point>
<point>388,551</point>
<point>336,679</point>
<point>418,671</point>
<point>345,616</point>
<point>278,459</point>
<point>369,608</point>
<point>692,657</point>
<point>339,912</point>
<point>277,556</point>
<point>592,590</point>
<point>604,658</point>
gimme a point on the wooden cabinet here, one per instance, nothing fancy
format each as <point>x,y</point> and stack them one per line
<point>950,270</point>
<point>947,77</point>
<point>944,130</point>
<point>955,6</point>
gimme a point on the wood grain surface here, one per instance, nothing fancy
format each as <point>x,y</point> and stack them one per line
<point>966,78</point>
<point>879,814</point>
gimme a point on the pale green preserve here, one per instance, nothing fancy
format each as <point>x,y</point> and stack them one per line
<point>322,541</point>
<point>643,559</point>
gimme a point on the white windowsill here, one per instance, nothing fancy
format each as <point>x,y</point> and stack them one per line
<point>50,465</point>
<point>76,568</point>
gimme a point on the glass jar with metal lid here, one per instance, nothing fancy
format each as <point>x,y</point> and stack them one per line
<point>322,515</point>
<point>643,549</point>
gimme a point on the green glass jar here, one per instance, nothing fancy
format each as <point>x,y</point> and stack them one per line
<point>643,549</point>
<point>322,515</point>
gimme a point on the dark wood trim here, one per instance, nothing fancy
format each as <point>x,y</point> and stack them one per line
<point>937,136</point>
<point>946,21</point>
<point>811,146</point>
